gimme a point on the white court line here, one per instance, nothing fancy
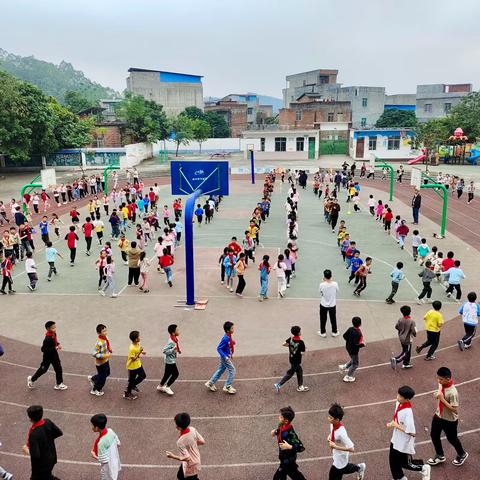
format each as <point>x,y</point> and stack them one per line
<point>236,465</point>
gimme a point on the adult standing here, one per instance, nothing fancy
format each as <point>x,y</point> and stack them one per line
<point>334,212</point>
<point>133,255</point>
<point>328,303</point>
<point>416,204</point>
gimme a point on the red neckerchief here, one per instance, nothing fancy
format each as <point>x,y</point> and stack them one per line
<point>442,389</point>
<point>401,406</point>
<point>100,435</point>
<point>296,338</point>
<point>230,256</point>
<point>54,335</point>
<point>174,339</point>
<point>334,428</point>
<point>33,427</point>
<point>361,341</point>
<point>283,428</point>
<point>104,337</point>
<point>232,343</point>
<point>184,431</point>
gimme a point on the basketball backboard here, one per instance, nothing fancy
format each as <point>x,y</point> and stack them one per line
<point>416,178</point>
<point>189,176</point>
<point>372,159</point>
<point>49,178</point>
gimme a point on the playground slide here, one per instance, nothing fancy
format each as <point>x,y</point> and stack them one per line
<point>418,159</point>
<point>473,159</point>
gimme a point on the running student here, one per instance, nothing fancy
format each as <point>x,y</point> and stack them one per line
<point>362,273</point>
<point>296,350</point>
<point>50,348</point>
<point>170,352</point>
<point>328,304</point>
<point>289,445</point>
<point>264,269</point>
<point>433,320</point>
<point>225,349</point>
<point>136,373</point>
<point>166,262</point>
<point>105,448</point>
<point>406,330</point>
<point>427,276</point>
<point>199,214</point>
<point>102,354</point>
<point>341,446</point>
<point>455,275</point>
<point>31,270</point>
<point>72,239</point>
<point>188,442</point>
<point>353,343</point>
<point>402,444</point>
<point>397,276</point>
<point>416,240</point>
<point>470,311</point>
<point>87,229</point>
<point>280,267</point>
<point>51,253</point>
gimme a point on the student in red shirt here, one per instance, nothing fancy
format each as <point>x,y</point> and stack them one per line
<point>151,197</point>
<point>233,245</point>
<point>72,238</point>
<point>74,214</point>
<point>132,211</point>
<point>387,217</point>
<point>166,262</point>
<point>448,262</point>
<point>7,267</point>
<point>87,229</point>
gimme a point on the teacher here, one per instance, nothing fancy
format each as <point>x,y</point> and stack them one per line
<point>416,203</point>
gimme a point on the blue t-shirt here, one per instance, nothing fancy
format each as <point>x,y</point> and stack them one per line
<point>140,204</point>
<point>43,228</point>
<point>50,253</point>
<point>199,211</point>
<point>356,263</point>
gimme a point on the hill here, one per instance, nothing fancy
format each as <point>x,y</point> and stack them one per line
<point>55,80</point>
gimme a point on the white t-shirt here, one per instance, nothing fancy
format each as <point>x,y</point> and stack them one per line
<point>371,202</point>
<point>403,442</point>
<point>30,265</point>
<point>280,269</point>
<point>328,293</point>
<point>340,458</point>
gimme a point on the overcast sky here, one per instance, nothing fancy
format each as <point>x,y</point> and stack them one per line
<point>250,45</point>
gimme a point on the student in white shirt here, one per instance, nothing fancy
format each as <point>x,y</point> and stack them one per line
<point>341,446</point>
<point>105,448</point>
<point>328,303</point>
<point>31,271</point>
<point>280,267</point>
<point>402,445</point>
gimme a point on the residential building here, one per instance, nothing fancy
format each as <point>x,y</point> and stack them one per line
<point>174,91</point>
<point>402,101</point>
<point>234,113</point>
<point>436,101</point>
<point>306,82</point>
<point>256,112</point>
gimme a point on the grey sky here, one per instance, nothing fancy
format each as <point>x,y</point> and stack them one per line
<point>250,45</point>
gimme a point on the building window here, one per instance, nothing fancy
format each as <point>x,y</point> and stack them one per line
<point>394,143</point>
<point>323,79</point>
<point>372,143</point>
<point>330,117</point>
<point>356,92</point>
<point>304,82</point>
<point>298,115</point>
<point>280,144</point>
<point>364,102</point>
<point>427,108</point>
<point>447,107</point>
<point>249,110</point>
<point>363,122</point>
<point>300,144</point>
<point>262,144</point>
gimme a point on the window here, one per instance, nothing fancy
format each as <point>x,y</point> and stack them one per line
<point>363,122</point>
<point>298,115</point>
<point>356,92</point>
<point>447,107</point>
<point>323,79</point>
<point>427,108</point>
<point>364,102</point>
<point>372,143</point>
<point>262,144</point>
<point>304,82</point>
<point>300,144</point>
<point>249,110</point>
<point>330,117</point>
<point>394,143</point>
<point>280,144</point>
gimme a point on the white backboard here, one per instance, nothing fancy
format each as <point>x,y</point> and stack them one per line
<point>416,178</point>
<point>124,162</point>
<point>49,178</point>
<point>372,160</point>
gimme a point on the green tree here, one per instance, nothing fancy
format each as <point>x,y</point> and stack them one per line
<point>200,131</point>
<point>218,124</point>
<point>271,120</point>
<point>466,115</point>
<point>397,118</point>
<point>194,113</point>
<point>434,132</point>
<point>76,102</point>
<point>146,121</point>
<point>182,128</point>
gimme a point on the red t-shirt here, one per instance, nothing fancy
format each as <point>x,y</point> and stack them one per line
<point>71,238</point>
<point>235,247</point>
<point>388,216</point>
<point>447,263</point>
<point>87,229</point>
<point>73,213</point>
<point>151,196</point>
<point>166,261</point>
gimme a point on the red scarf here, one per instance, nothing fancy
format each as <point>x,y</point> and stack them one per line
<point>283,428</point>
<point>32,428</point>
<point>95,444</point>
<point>334,428</point>
<point>361,341</point>
<point>54,336</point>
<point>184,431</point>
<point>401,406</point>
<point>174,339</point>
<point>442,389</point>
<point>232,343</point>
<point>104,337</point>
<point>296,338</point>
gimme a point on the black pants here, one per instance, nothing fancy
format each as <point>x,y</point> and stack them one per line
<point>133,275</point>
<point>241,284</point>
<point>288,470</point>
<point>399,460</point>
<point>470,197</point>
<point>332,312</point>
<point>222,272</point>
<point>6,281</point>
<point>295,368</point>
<point>73,254</point>
<point>88,240</point>
<point>101,277</point>
<point>249,255</point>
<point>433,339</point>
<point>338,473</point>
<point>51,269</point>
<point>427,290</point>
<point>457,288</point>
<point>372,211</point>
<point>179,236</point>
<point>135,377</point>
<point>469,333</point>
<point>45,365</point>
<point>333,221</point>
<point>362,283</point>
<point>103,372</point>
<point>387,225</point>
<point>45,238</point>
<point>170,374</point>
<point>181,476</point>
<point>393,292</point>
<point>405,355</point>
<point>439,425</point>
<point>124,255</point>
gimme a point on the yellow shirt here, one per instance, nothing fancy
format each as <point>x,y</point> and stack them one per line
<point>125,212</point>
<point>133,351</point>
<point>123,245</point>
<point>253,231</point>
<point>433,320</point>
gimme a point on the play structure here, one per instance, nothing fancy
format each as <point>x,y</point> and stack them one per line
<point>418,159</point>
<point>458,149</point>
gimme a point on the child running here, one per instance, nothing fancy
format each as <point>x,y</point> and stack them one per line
<point>353,343</point>
<point>136,373</point>
<point>280,268</point>
<point>102,354</point>
<point>105,448</point>
<point>406,330</point>
<point>433,320</point>
<point>397,276</point>
<point>470,312</point>
<point>264,269</point>
<point>170,352</point>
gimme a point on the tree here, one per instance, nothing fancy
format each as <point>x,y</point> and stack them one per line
<point>271,120</point>
<point>201,131</point>
<point>194,113</point>
<point>466,115</point>
<point>146,121</point>
<point>434,132</point>
<point>76,102</point>
<point>218,124</point>
<point>395,118</point>
<point>182,129</point>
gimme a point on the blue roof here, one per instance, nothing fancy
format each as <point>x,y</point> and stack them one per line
<point>400,107</point>
<point>393,132</point>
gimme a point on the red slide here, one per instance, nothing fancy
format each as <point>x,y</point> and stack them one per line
<point>418,159</point>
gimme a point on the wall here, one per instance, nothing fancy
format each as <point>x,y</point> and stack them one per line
<point>404,152</point>
<point>212,145</point>
<point>137,152</point>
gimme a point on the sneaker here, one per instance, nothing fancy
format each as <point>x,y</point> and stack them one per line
<point>61,386</point>
<point>276,386</point>
<point>98,393</point>
<point>390,302</point>
<point>3,292</point>
<point>211,386</point>
<point>418,350</point>
<point>114,295</point>
<point>323,335</point>
<point>335,334</point>
<point>260,298</point>
<point>288,285</point>
<point>420,301</point>
<point>29,382</point>
<point>407,365</point>
<point>348,379</point>
<point>361,471</point>
<point>161,388</point>
<point>426,470</point>
<point>129,396</point>
<point>460,459</point>
<point>170,284</point>
<point>449,295</point>
<point>49,279</point>
<point>280,294</point>
<point>342,367</point>
<point>427,358</point>
<point>229,389</point>
<point>168,391</point>
<point>302,388</point>
<point>393,363</point>
<point>436,460</point>
<point>30,287</point>
<point>239,295</point>
<point>101,292</point>
<point>461,345</point>
<point>90,381</point>
<point>231,290</point>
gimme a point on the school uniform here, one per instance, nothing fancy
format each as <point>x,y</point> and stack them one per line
<point>341,466</point>
<point>296,347</point>
<point>470,312</point>
<point>406,330</point>
<point>288,458</point>
<point>50,357</point>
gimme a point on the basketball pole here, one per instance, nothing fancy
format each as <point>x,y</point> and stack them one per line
<point>252,166</point>
<point>189,260</point>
